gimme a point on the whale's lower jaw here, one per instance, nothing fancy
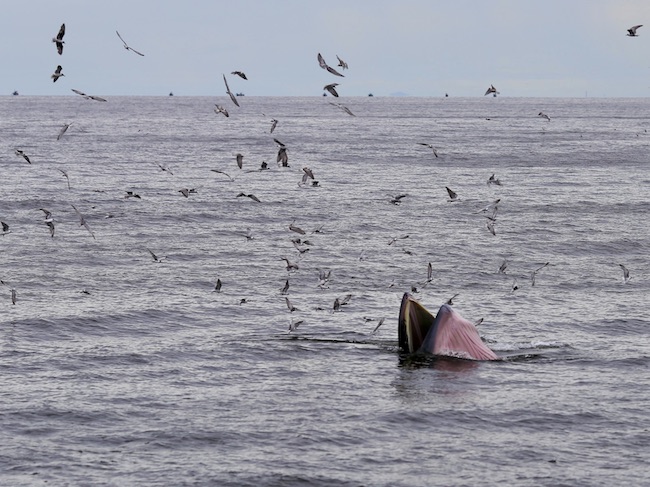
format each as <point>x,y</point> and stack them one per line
<point>447,334</point>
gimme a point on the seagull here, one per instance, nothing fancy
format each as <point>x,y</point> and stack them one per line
<point>395,239</point>
<point>240,74</point>
<point>543,115</point>
<point>155,257</point>
<point>490,227</point>
<point>515,286</point>
<point>63,130</point>
<point>504,266</point>
<point>289,305</point>
<point>285,288</point>
<point>250,195</point>
<point>48,215</point>
<point>57,74</point>
<point>126,46</point>
<point>58,40</point>
<point>232,97</point>
<point>324,277</point>
<point>240,160</point>
<point>430,146</point>
<point>626,273</point>
<point>88,97</point>
<point>344,108</point>
<point>534,273</point>
<point>5,228</point>
<point>82,221</point>
<point>381,322</point>
<point>290,265</point>
<point>220,109</point>
<point>282,157</point>
<point>185,192</point>
<point>20,153</point>
<point>308,172</point>
<point>165,169</point>
<point>342,64</point>
<point>429,273</point>
<point>324,65</point>
<point>452,195</point>
<point>65,175</point>
<point>131,194</point>
<point>221,172</point>
<point>293,326</point>
<point>493,90</point>
<point>50,225</point>
<point>493,180</point>
<point>217,287</point>
<point>450,301</point>
<point>631,32</point>
<point>296,229</point>
<point>396,200</point>
<point>332,89</point>
<point>274,123</point>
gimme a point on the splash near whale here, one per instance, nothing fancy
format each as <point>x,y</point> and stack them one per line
<point>447,334</point>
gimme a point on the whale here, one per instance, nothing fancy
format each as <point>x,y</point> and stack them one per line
<point>446,334</point>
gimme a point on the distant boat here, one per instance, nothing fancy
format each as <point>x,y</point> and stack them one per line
<point>15,93</point>
<point>370,94</point>
<point>239,94</point>
<point>171,94</point>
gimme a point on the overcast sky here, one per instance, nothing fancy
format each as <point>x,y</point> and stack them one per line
<point>565,48</point>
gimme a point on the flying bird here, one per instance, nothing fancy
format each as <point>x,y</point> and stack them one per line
<point>296,229</point>
<point>126,46</point>
<point>217,287</point>
<point>344,108</point>
<point>324,65</point>
<point>290,265</point>
<point>274,124</point>
<point>240,160</point>
<point>397,199</point>
<point>503,267</point>
<point>282,157</point>
<point>430,146</point>
<point>58,40</point>
<point>285,288</point>
<point>381,322</point>
<point>65,175</point>
<point>82,221</point>
<point>293,326</point>
<point>543,115</point>
<point>232,97</point>
<point>219,109</point>
<point>221,172</point>
<point>332,89</point>
<point>240,74</point>
<point>342,64</point>
<point>22,154</point>
<point>250,195</point>
<point>155,257</point>
<point>88,97</point>
<point>187,192</point>
<point>534,273</point>
<point>63,130</point>
<point>492,90</point>
<point>289,305</point>
<point>5,228</point>
<point>493,180</point>
<point>452,195</point>
<point>631,32</point>
<point>626,273</point>
<point>57,74</point>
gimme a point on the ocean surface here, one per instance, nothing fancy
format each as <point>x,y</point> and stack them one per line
<point>119,370</point>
